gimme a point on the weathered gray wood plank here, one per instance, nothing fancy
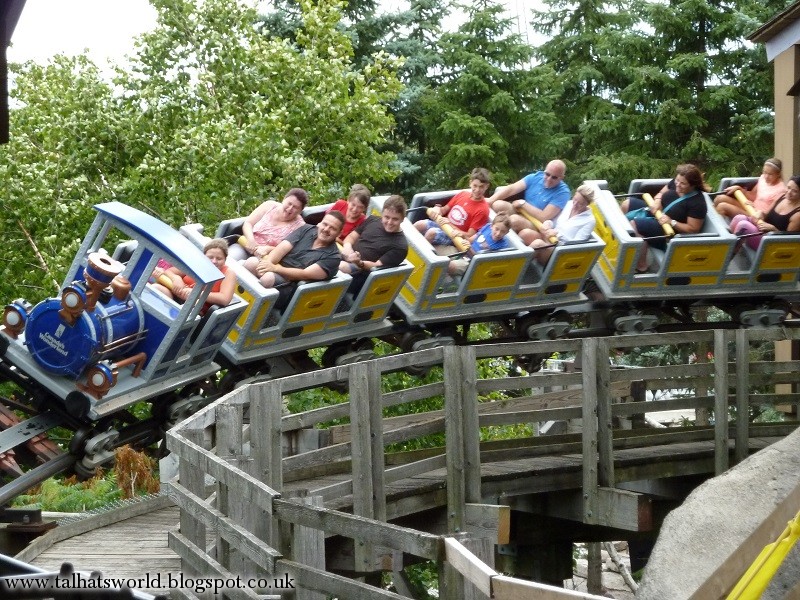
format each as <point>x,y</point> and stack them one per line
<point>720,402</point>
<point>742,393</point>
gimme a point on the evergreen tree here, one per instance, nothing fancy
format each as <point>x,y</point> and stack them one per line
<point>417,42</point>
<point>588,67</point>
<point>491,108</point>
<point>651,84</point>
<point>368,27</point>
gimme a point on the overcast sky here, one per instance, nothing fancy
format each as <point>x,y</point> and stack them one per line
<point>105,27</point>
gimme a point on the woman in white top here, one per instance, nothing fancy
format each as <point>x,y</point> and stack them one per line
<point>574,223</point>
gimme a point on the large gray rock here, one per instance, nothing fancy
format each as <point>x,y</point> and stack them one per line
<point>717,517</point>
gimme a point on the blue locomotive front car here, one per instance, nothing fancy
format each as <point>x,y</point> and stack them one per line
<point>110,338</point>
<point>89,323</point>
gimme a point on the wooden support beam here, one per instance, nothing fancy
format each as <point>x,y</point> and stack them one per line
<point>620,509</point>
<point>470,566</point>
<point>487,525</point>
<point>228,447</point>
<point>490,521</point>
<point>590,453</point>
<point>195,560</point>
<point>418,543</point>
<point>258,551</point>
<point>266,406</point>
<point>509,588</point>
<point>193,480</point>
<point>450,583</point>
<point>454,432</point>
<point>471,424</point>
<point>309,549</point>
<point>742,449</point>
<point>367,452</point>
<point>337,586</point>
<point>605,424</point>
<point>594,568</point>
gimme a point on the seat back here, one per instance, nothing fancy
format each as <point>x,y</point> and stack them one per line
<point>647,186</point>
<point>230,229</point>
<point>424,200</point>
<point>746,182</point>
<point>124,251</point>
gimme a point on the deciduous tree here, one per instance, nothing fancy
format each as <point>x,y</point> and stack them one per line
<point>211,118</point>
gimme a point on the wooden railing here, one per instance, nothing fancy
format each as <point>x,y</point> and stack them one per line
<point>256,486</point>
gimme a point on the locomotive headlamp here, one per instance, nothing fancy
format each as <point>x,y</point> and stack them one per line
<point>15,315</point>
<point>72,299</point>
<point>73,303</point>
<point>100,378</point>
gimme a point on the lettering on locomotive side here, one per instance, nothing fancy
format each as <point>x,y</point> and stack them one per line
<point>55,344</point>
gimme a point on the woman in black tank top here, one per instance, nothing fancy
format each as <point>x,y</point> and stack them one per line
<point>783,216</point>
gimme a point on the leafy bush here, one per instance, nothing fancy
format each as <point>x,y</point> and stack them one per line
<point>133,475</point>
<point>71,495</point>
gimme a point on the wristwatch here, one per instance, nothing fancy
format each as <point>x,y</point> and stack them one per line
<point>674,222</point>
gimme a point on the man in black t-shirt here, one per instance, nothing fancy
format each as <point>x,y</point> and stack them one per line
<point>377,242</point>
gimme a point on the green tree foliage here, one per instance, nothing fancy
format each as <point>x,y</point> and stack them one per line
<point>418,41</point>
<point>491,108</point>
<point>650,84</point>
<point>578,49</point>
<point>364,21</point>
<point>211,118</point>
<point>410,34</point>
<point>65,143</point>
<point>232,115</point>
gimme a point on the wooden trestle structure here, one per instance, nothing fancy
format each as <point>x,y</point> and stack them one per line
<point>330,497</point>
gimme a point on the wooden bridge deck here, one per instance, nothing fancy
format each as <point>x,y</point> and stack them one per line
<point>127,542</point>
<point>533,475</point>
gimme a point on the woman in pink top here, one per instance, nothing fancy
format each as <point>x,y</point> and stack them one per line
<point>765,193</point>
<point>269,224</point>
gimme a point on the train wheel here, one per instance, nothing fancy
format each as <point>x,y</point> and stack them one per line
<point>364,344</point>
<point>740,312</point>
<point>333,353</point>
<point>93,450</point>
<point>623,321</point>
<point>77,444</point>
<point>613,316</point>
<point>82,472</point>
<point>531,363</point>
<point>407,343</point>
<point>526,326</point>
<point>762,315</point>
<point>550,327</point>
<point>228,382</point>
